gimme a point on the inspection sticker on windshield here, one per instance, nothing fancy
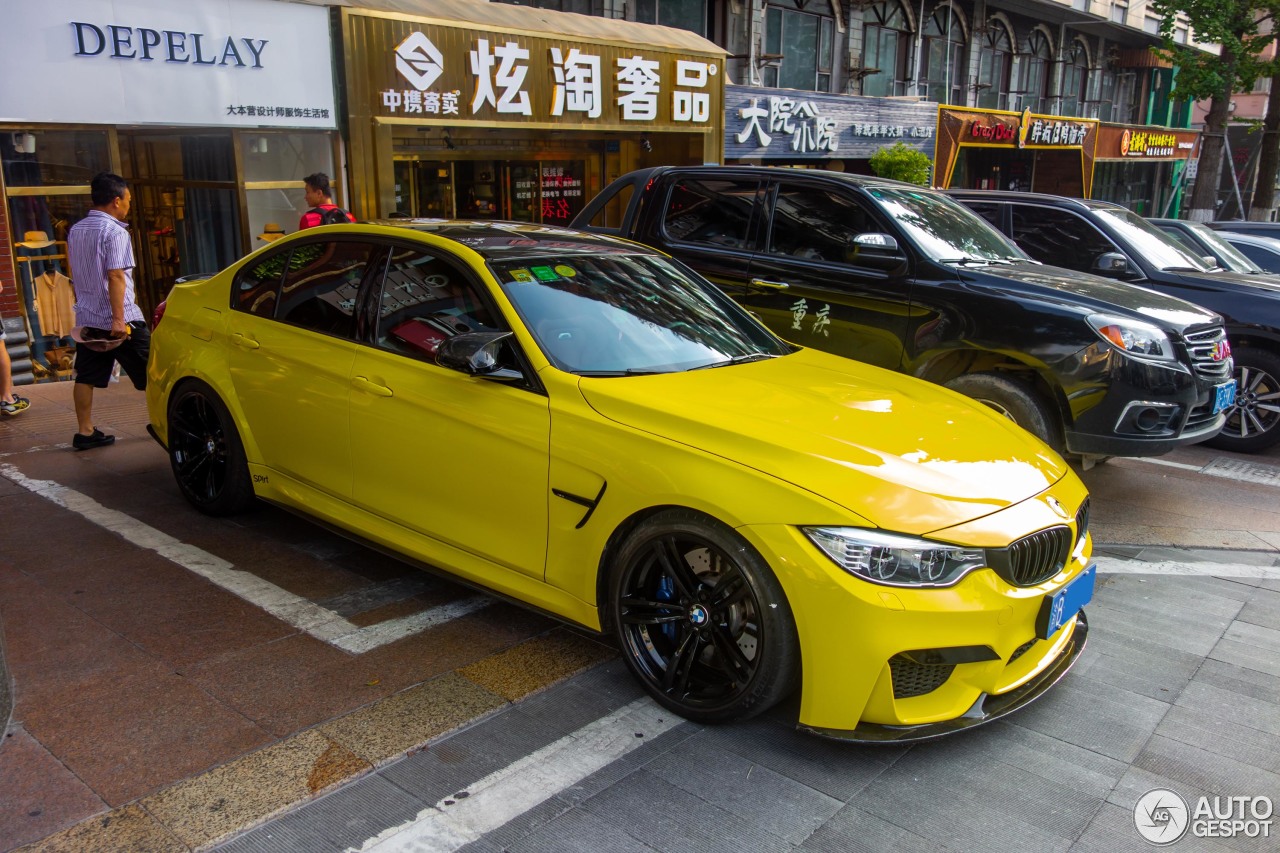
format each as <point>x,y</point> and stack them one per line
<point>566,270</point>
<point>521,275</point>
<point>1224,396</point>
<point>544,273</point>
<point>1060,608</point>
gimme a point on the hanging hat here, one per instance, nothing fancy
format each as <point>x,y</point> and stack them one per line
<point>271,231</point>
<point>35,240</point>
<point>96,339</point>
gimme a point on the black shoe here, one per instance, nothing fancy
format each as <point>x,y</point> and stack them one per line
<point>88,442</point>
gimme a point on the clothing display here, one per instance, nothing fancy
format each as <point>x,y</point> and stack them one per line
<point>55,304</point>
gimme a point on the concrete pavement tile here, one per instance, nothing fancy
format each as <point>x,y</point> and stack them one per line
<point>645,806</point>
<point>251,789</point>
<point>1272,538</point>
<point>407,607</point>
<point>854,831</point>
<point>1231,706</point>
<point>1155,530</point>
<point>1248,682</point>
<point>536,663</point>
<point>576,831</point>
<point>125,830</point>
<point>1263,608</point>
<point>1221,737</point>
<point>1246,655</point>
<point>407,720</point>
<point>305,576</point>
<point>1112,831</point>
<point>1203,769</point>
<point>1100,717</point>
<point>289,684</point>
<point>775,803</point>
<point>1258,636</point>
<point>146,734</point>
<point>1137,782</point>
<point>40,795</point>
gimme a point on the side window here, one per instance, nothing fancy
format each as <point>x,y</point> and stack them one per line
<point>1264,258</point>
<point>321,285</point>
<point>817,224</point>
<point>257,287</point>
<point>712,212</point>
<point>426,299</point>
<point>1058,237</point>
<point>988,211</point>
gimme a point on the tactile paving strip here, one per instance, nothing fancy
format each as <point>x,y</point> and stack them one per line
<point>1248,472</point>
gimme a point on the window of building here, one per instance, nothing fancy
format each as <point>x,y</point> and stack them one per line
<point>1075,80</point>
<point>945,61</point>
<point>886,45</point>
<point>799,35</point>
<point>1035,73</point>
<point>995,60</point>
<point>683,14</point>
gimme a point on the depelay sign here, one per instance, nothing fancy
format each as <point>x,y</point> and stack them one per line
<point>426,72</point>
<point>244,63</point>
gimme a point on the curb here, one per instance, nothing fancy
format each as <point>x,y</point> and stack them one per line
<point>6,691</point>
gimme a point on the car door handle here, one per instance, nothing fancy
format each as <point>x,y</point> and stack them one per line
<point>240,340</point>
<point>761,284</point>
<point>363,383</point>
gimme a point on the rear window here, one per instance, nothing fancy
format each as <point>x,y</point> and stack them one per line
<point>711,212</point>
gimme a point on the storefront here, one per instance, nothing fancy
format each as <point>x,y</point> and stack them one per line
<point>991,149</point>
<point>1143,167</point>
<point>782,127</point>
<point>212,112</point>
<point>496,111</point>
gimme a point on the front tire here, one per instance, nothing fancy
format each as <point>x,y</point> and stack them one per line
<point>205,452</point>
<point>1253,423</point>
<point>1013,399</point>
<point>702,621</point>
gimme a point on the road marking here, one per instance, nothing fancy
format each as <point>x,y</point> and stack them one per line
<point>301,613</point>
<point>1227,468</point>
<point>1201,568</point>
<point>1167,463</point>
<point>510,792</point>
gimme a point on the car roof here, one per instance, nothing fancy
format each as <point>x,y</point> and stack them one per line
<point>781,172</point>
<point>495,239</point>
<point>1036,198</point>
<point>1251,239</point>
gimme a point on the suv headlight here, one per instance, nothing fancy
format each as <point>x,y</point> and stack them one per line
<point>893,559</point>
<point>1133,337</point>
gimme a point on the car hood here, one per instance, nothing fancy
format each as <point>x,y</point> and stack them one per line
<point>1265,285</point>
<point>891,449</point>
<point>1081,289</point>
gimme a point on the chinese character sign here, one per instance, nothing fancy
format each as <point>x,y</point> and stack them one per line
<point>578,83</point>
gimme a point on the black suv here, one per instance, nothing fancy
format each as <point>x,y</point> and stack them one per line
<point>902,277</point>
<point>1114,241</point>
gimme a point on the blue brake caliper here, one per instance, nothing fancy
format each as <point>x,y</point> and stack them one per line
<point>667,592</point>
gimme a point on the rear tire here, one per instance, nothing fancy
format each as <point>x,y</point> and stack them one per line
<point>1015,400</point>
<point>205,452</point>
<point>1253,423</point>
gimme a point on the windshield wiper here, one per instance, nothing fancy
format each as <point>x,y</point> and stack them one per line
<point>1183,269</point>
<point>737,359</point>
<point>630,371</point>
<point>981,262</point>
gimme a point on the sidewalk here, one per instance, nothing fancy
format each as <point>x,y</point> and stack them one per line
<point>157,711</point>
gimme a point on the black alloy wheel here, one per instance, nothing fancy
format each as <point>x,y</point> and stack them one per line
<point>1253,422</point>
<point>205,452</point>
<point>702,621</point>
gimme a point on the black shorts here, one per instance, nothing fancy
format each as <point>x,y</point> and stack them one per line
<point>94,367</point>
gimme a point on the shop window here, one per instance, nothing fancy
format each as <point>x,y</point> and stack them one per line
<point>1035,73</point>
<point>683,14</point>
<point>272,158</point>
<point>716,213</point>
<point>1075,80</point>
<point>53,158</point>
<point>424,301</point>
<point>816,224</point>
<point>1058,237</point>
<point>995,58</point>
<point>886,44</point>
<point>799,46</point>
<point>945,60</point>
<point>321,285</point>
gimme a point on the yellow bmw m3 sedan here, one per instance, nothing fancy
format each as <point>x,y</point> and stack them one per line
<point>586,426</point>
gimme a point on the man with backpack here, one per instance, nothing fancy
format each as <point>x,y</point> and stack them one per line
<point>320,200</point>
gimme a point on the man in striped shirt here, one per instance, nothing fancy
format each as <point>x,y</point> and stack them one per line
<point>111,327</point>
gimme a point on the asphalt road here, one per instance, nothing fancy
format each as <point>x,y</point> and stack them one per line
<point>261,684</point>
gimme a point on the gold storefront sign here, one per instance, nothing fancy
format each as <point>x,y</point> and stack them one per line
<point>415,71</point>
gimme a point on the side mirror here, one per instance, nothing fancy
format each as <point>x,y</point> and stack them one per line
<point>879,252</point>
<point>1111,263</point>
<point>476,354</point>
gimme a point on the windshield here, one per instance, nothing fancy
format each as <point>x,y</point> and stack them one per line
<point>943,229</point>
<point>1231,257</point>
<point>1153,245</point>
<point>622,314</point>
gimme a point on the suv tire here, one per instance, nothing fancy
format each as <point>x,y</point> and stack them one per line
<point>1013,399</point>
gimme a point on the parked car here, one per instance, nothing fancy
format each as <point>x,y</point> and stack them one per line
<point>1241,226</point>
<point>1263,251</point>
<point>586,426</point>
<point>1212,246</point>
<point>1111,240</point>
<point>902,277</point>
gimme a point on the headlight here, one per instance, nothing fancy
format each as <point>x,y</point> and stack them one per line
<point>1133,337</point>
<point>895,560</point>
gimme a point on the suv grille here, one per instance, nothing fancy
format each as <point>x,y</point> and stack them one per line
<point>916,679</point>
<point>1202,345</point>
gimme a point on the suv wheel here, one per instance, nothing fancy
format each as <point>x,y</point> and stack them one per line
<point>1253,423</point>
<point>1015,400</point>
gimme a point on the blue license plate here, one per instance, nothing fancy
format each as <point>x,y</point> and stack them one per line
<point>1224,396</point>
<point>1060,608</point>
